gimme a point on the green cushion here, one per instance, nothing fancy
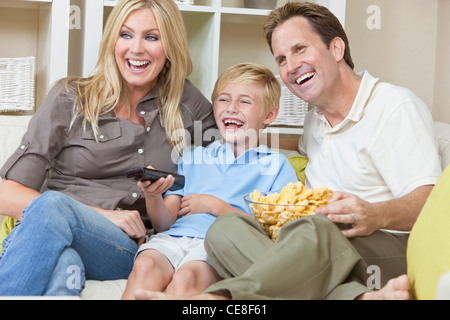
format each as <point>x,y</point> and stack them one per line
<point>428,253</point>
<point>299,163</point>
<point>7,226</point>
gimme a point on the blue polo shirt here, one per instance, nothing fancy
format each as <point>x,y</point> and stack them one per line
<point>215,171</point>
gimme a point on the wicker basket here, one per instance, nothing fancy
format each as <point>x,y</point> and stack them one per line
<point>16,84</point>
<point>292,111</point>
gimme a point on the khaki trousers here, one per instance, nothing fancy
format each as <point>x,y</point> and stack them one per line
<point>311,259</point>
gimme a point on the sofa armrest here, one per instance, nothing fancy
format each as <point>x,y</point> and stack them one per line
<point>103,290</point>
<point>442,131</point>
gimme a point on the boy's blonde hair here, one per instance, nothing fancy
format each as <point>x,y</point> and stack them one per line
<point>246,73</point>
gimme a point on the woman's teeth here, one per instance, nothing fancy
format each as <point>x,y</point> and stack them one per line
<point>304,78</point>
<point>138,65</point>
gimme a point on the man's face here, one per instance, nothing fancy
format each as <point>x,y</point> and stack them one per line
<point>306,65</point>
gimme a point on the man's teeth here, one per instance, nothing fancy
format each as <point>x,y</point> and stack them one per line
<point>305,77</point>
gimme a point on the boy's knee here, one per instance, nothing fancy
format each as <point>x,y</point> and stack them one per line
<point>184,279</point>
<point>144,265</point>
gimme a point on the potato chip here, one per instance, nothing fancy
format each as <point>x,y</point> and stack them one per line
<point>295,201</point>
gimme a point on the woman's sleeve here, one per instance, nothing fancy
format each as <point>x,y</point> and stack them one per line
<point>42,141</point>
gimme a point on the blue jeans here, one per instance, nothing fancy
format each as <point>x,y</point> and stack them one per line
<point>58,245</point>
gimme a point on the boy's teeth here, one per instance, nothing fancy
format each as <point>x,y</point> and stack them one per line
<point>305,76</point>
<point>233,122</point>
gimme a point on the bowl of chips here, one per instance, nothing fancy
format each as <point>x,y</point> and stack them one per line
<point>294,201</point>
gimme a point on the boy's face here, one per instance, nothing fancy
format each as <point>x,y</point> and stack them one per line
<point>238,113</point>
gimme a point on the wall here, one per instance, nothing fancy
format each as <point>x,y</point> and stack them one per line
<point>441,105</point>
<point>411,48</point>
<point>22,24</point>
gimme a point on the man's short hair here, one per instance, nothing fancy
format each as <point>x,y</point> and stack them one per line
<point>325,23</point>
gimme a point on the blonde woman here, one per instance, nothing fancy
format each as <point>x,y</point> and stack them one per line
<point>79,216</point>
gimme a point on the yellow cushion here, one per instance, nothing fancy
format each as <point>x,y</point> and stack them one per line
<point>7,226</point>
<point>428,253</point>
<point>299,163</point>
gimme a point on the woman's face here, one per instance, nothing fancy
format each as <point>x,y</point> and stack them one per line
<point>139,51</point>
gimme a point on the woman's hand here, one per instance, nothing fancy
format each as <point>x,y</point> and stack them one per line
<point>129,221</point>
<point>349,209</point>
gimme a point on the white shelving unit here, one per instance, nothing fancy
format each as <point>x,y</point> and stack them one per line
<point>220,33</point>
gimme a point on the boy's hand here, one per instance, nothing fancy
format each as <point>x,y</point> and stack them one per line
<point>157,187</point>
<point>199,203</point>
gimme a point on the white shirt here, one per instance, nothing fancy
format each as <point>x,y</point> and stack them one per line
<point>383,150</point>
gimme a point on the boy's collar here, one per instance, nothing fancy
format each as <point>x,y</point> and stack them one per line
<point>218,145</point>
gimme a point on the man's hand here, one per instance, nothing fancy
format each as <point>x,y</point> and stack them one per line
<point>397,214</point>
<point>344,207</point>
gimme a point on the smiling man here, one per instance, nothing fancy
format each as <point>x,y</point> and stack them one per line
<point>364,137</point>
<point>366,140</point>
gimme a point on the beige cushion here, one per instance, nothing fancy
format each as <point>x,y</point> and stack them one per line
<point>442,131</point>
<point>103,290</point>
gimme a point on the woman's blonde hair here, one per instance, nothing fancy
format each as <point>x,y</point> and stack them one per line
<point>245,73</point>
<point>100,93</point>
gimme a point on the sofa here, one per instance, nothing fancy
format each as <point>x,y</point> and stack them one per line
<point>13,127</point>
